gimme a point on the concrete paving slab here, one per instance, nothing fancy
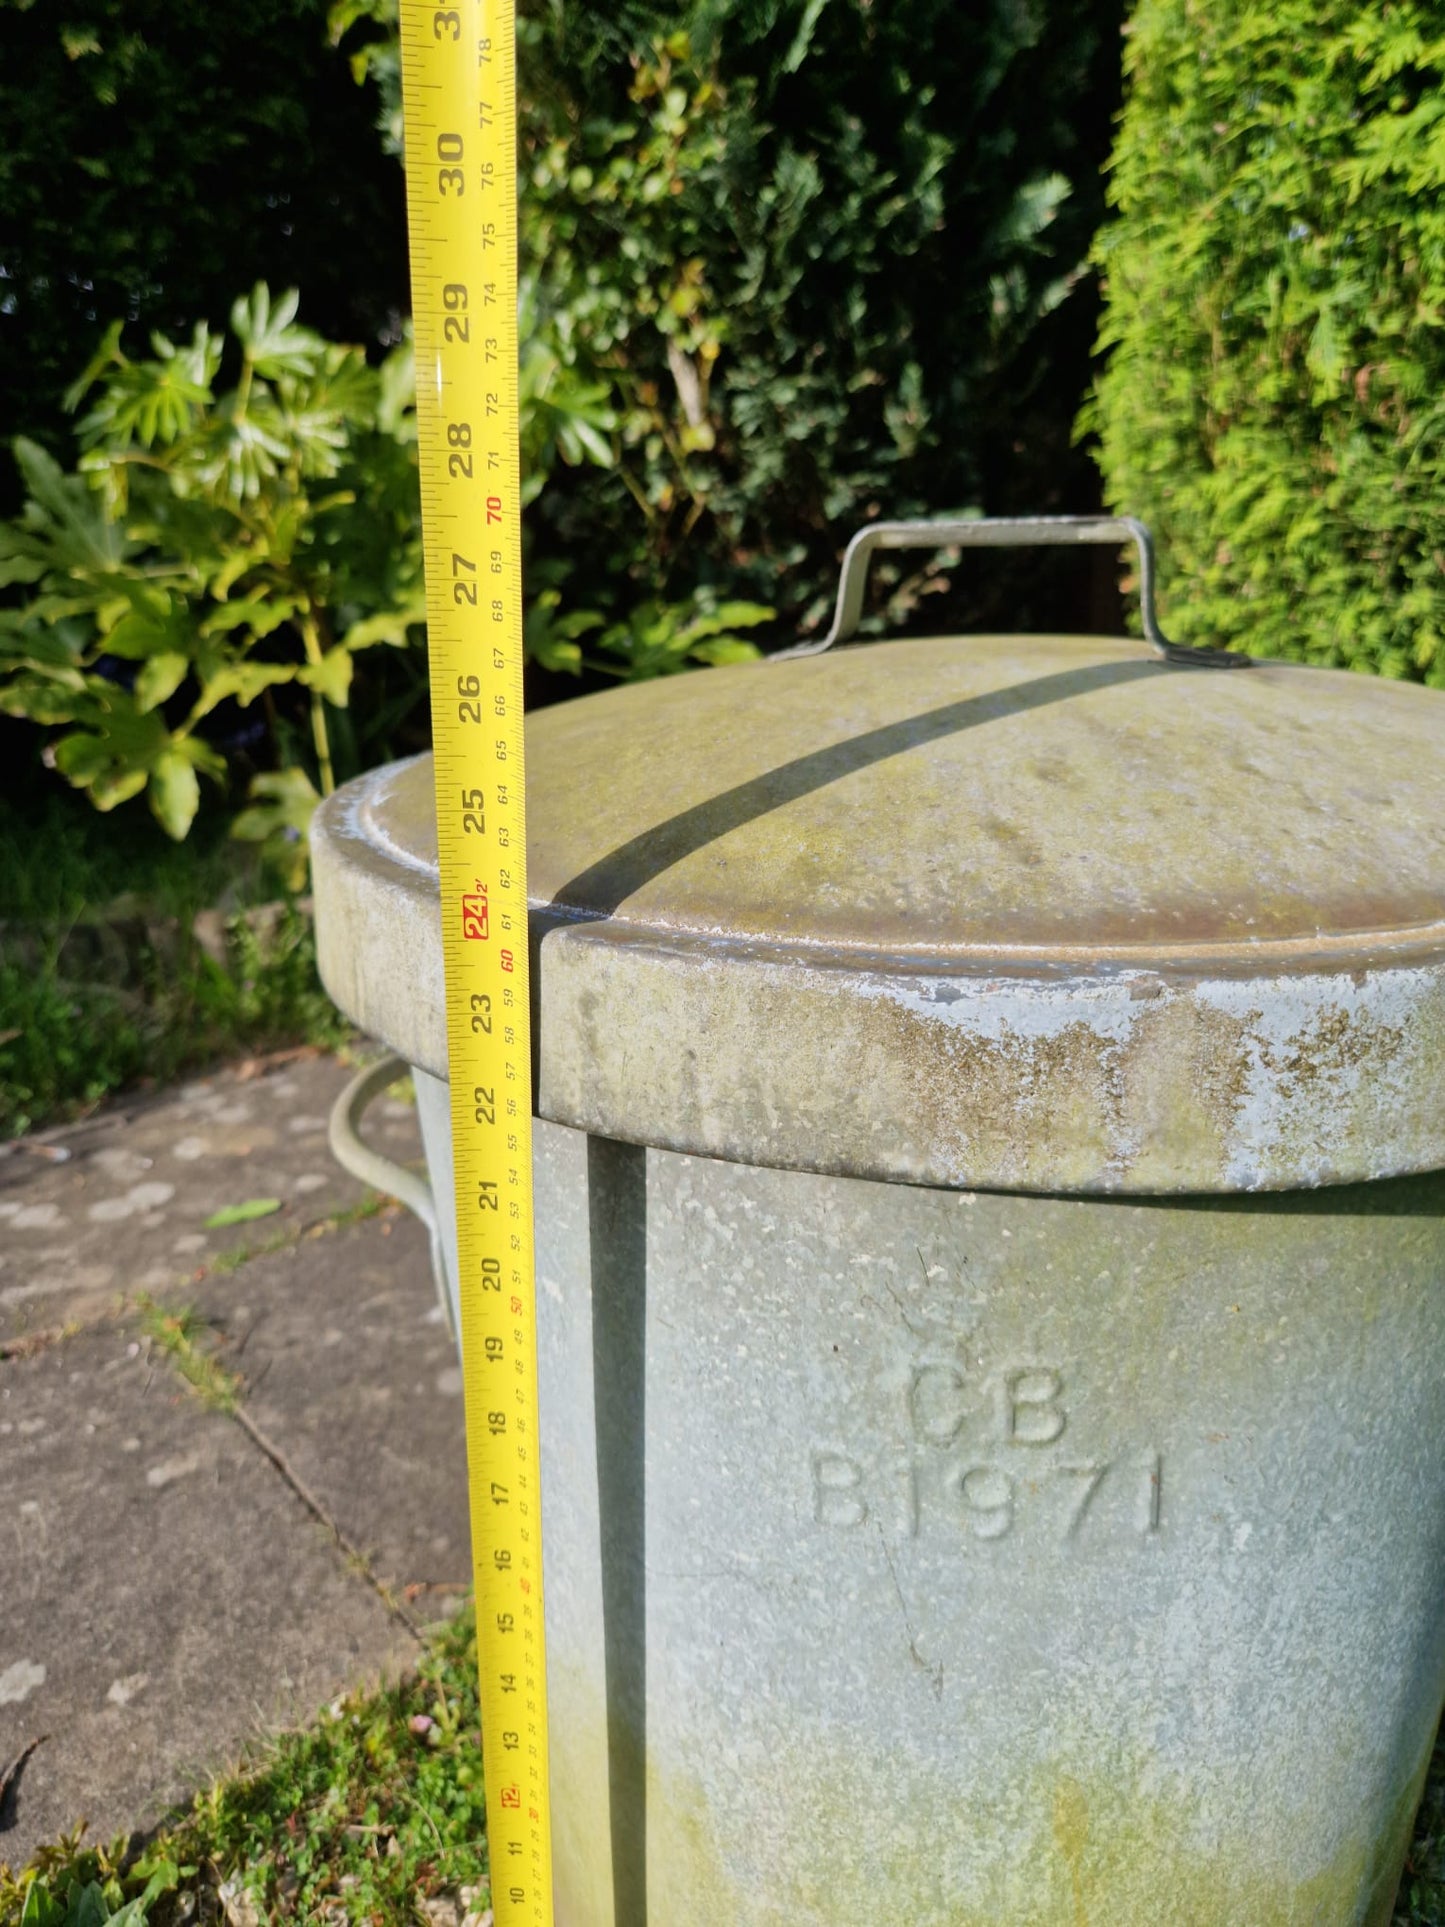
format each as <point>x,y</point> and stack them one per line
<point>118,1204</point>
<point>349,1370</point>
<point>164,1595</point>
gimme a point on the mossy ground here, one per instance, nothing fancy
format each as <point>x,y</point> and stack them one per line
<point>363,1817</point>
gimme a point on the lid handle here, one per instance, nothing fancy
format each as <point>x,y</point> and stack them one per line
<point>1055,531</point>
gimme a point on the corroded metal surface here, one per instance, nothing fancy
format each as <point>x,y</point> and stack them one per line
<point>1033,913</point>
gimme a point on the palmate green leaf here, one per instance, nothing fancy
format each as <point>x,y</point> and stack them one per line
<point>54,647</point>
<point>260,613</point>
<point>124,739</point>
<point>199,359</point>
<point>152,622</point>
<point>331,677</point>
<point>114,754</point>
<point>62,525</point>
<point>279,818</point>
<point>159,678</point>
<point>150,402</point>
<point>315,419</point>
<point>659,638</point>
<point>44,699</point>
<point>345,386</point>
<point>561,413</point>
<point>174,793</point>
<point>241,682</point>
<point>244,452</point>
<point>212,549</point>
<point>551,639</point>
<point>393,626</point>
<point>272,342</point>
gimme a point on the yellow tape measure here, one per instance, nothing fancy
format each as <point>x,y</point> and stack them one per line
<point>459,97</point>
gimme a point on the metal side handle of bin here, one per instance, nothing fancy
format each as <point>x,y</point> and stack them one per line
<point>1032,531</point>
<point>353,1154</point>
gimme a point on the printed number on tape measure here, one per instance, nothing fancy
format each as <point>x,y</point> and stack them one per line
<point>459,99</point>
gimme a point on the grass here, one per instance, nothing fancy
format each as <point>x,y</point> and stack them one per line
<point>174,1333</point>
<point>66,1042</point>
<point>376,1808</point>
<point>234,1256</point>
<point>59,856</point>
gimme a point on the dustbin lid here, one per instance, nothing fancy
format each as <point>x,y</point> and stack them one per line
<point>1034,913</point>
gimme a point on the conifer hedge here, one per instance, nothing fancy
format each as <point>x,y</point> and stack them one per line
<point>1274,395</point>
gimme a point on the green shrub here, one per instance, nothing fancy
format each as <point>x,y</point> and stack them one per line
<point>161,154</point>
<point>817,263</point>
<point>221,543</point>
<point>243,522</point>
<point>785,268</point>
<point>1272,400</point>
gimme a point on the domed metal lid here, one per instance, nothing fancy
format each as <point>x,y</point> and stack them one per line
<point>1033,913</point>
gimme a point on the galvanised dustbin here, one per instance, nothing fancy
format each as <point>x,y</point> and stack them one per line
<point>991,1261</point>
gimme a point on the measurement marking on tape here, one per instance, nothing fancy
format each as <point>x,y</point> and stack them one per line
<point>459,97</point>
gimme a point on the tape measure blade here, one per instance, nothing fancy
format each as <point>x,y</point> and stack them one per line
<point>459,95</point>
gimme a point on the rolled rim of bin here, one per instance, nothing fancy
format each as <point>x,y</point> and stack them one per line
<point>1022,913</point>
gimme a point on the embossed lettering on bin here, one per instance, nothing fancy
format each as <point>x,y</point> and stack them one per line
<point>991,1245</point>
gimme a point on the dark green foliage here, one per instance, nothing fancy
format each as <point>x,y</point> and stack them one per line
<point>242,531</point>
<point>63,1044</point>
<point>102,978</point>
<point>825,260</point>
<point>68,1041</point>
<point>160,155</point>
<point>1275,283</point>
<point>814,264</point>
<point>1421,1901</point>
